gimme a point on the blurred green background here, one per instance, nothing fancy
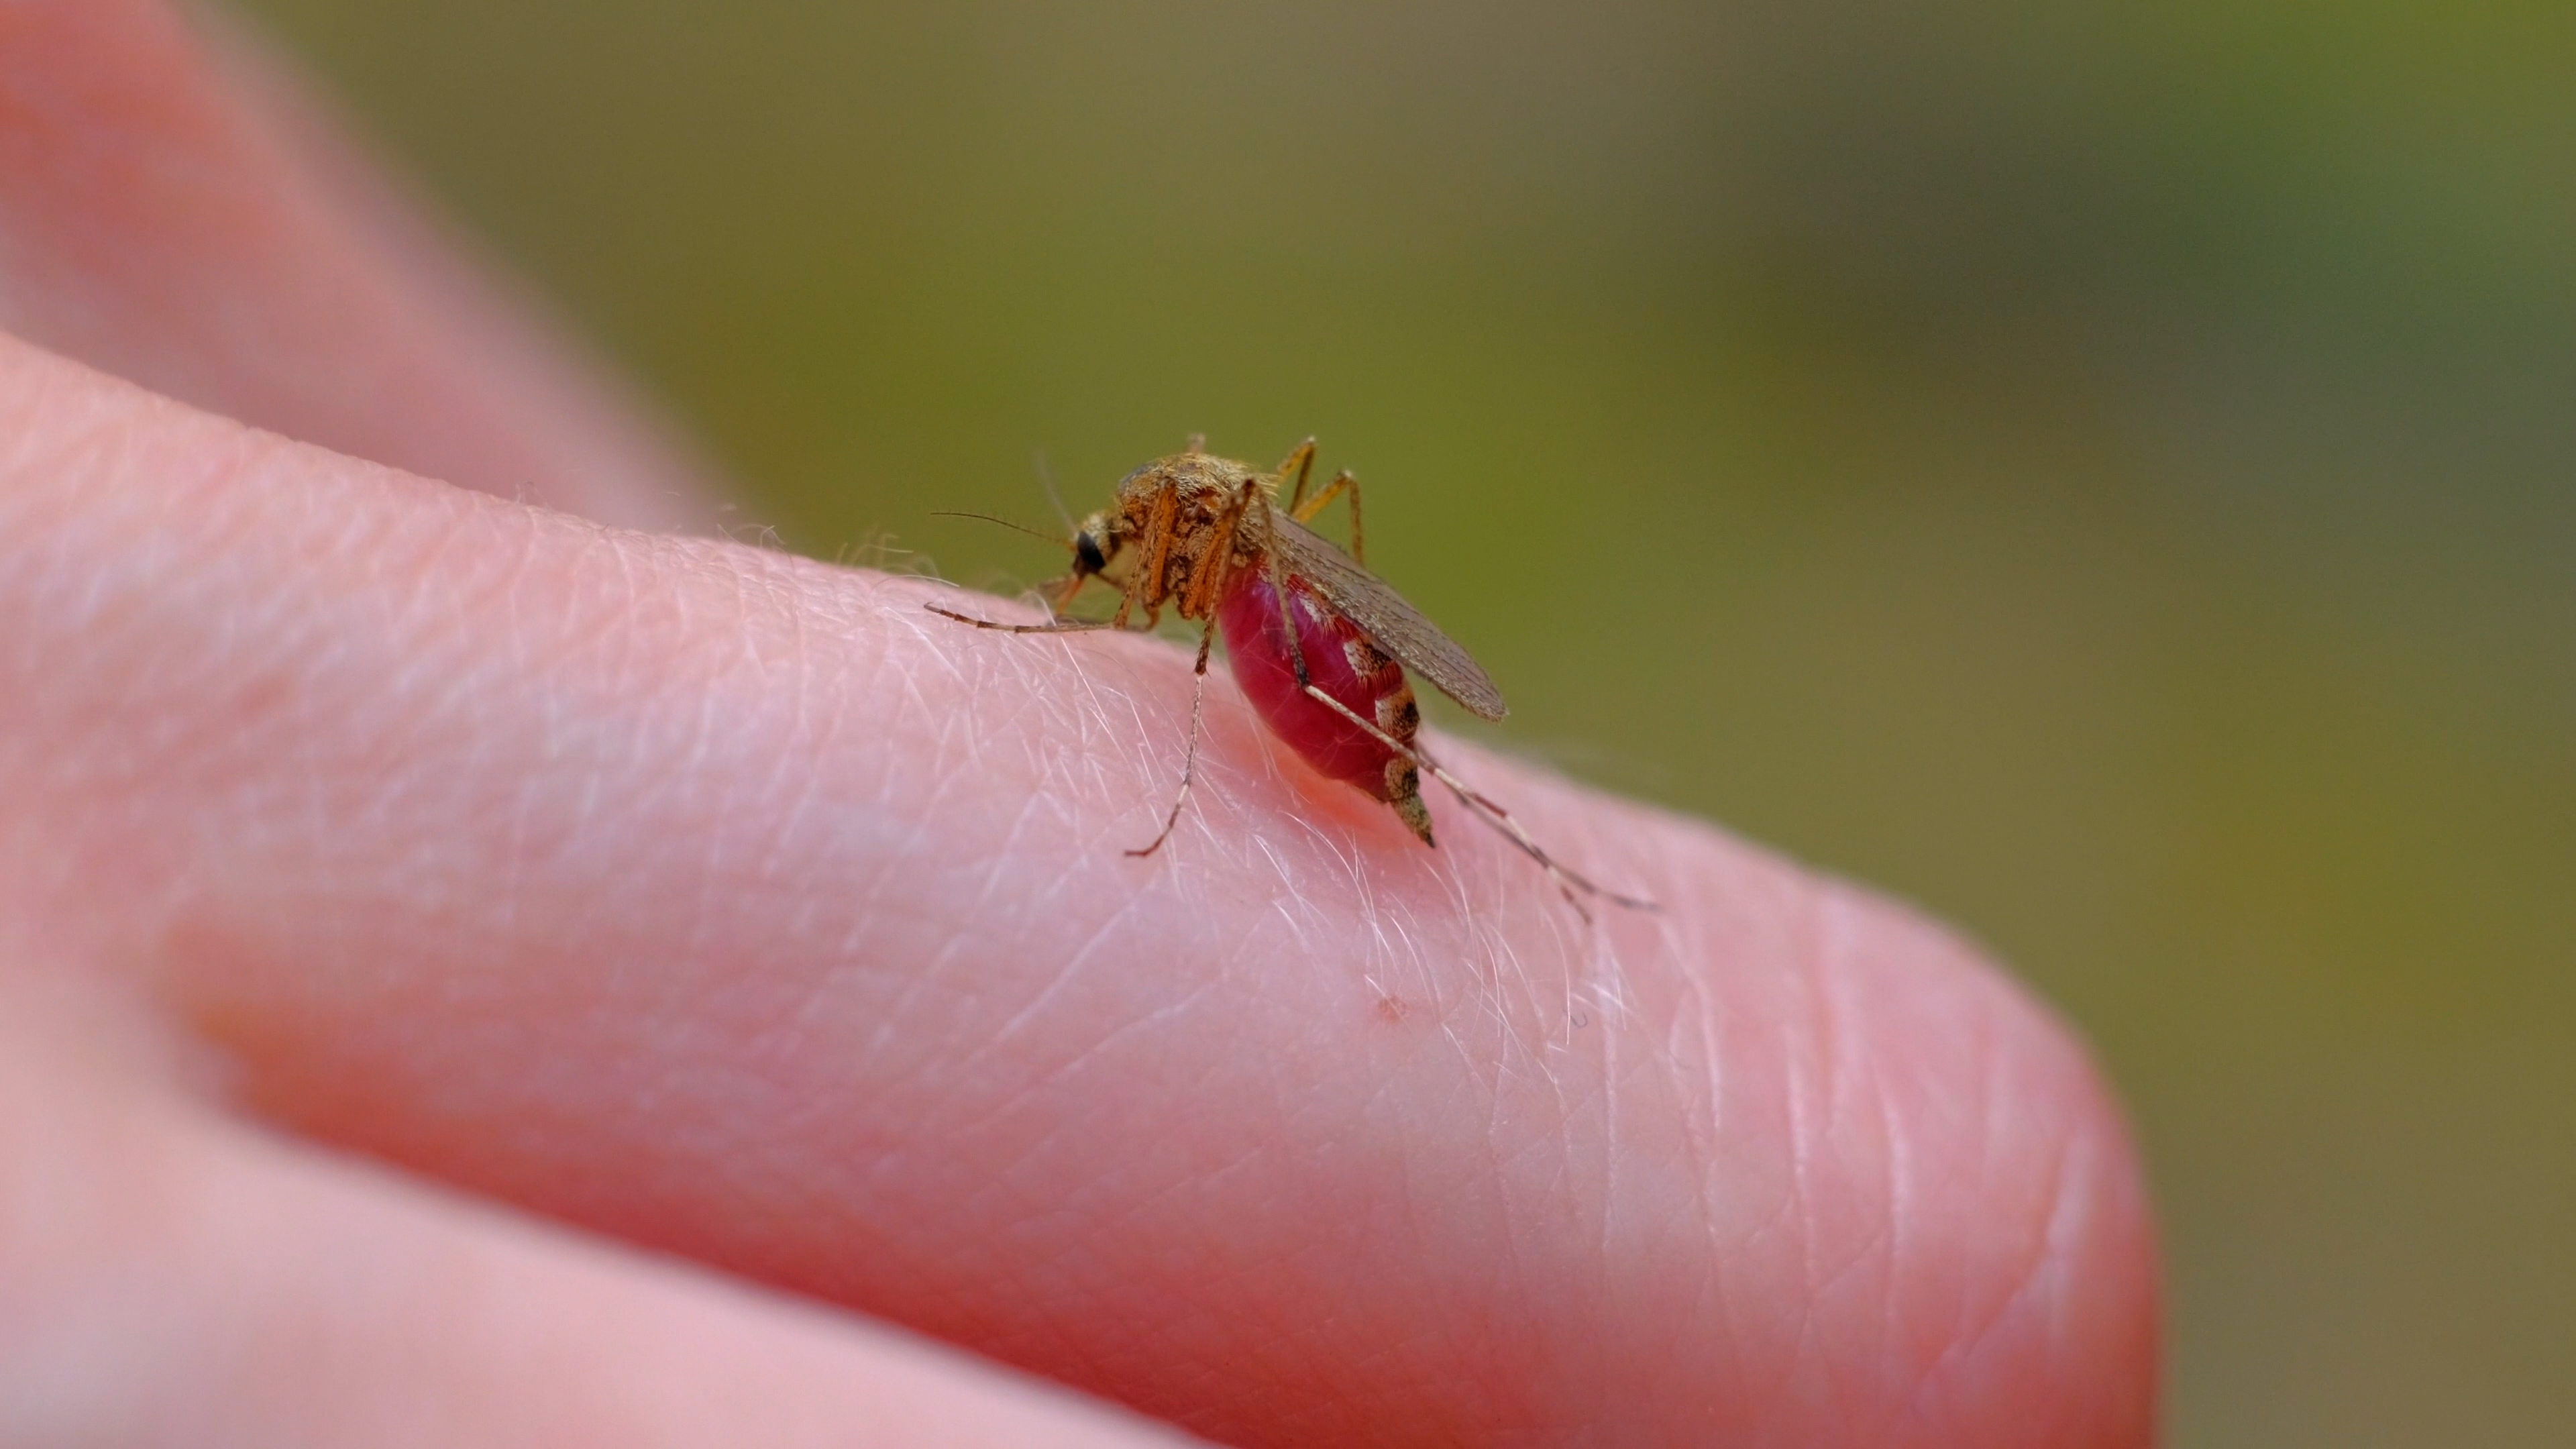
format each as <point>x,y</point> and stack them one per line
<point>2106,473</point>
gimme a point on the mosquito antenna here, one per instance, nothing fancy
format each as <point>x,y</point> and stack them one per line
<point>1046,480</point>
<point>1006,523</point>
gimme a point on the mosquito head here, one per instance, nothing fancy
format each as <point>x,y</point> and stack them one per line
<point>1095,543</point>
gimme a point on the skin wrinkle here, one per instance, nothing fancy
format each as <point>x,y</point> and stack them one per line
<point>1610,1217</point>
<point>1698,1291</point>
<point>1453,1328</point>
<point>869,898</point>
<point>1172,1335</point>
<point>1853,1264</point>
<point>881,895</point>
<point>1899,1206</point>
<point>1509,1276</point>
<point>1942,1374</point>
<point>2072,1208</point>
<point>707,733</point>
<point>1093,747</point>
<point>524,844</point>
<point>2034,1307</point>
<point>1055,986</point>
<point>1977,1333</point>
<point>107,614</point>
<point>1814,1083</point>
<point>526,803</point>
<point>930,975</point>
<point>1732,1299</point>
<point>166,557</point>
<point>1559,1140</point>
<point>996,875</point>
<point>1819,1113</point>
<point>1789,1218</point>
<point>999,875</point>
<point>1033,1219</point>
<point>1993,1104</point>
<point>1845,1085</point>
<point>437,687</point>
<point>1643,1217</point>
<point>788,777</point>
<point>1702,1138</point>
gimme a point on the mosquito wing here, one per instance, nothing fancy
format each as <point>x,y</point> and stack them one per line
<point>1382,614</point>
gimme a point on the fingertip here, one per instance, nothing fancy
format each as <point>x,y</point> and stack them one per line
<point>2024,1284</point>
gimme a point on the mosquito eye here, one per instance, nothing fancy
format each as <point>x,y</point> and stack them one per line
<point>1087,555</point>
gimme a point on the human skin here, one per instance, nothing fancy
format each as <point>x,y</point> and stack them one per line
<point>469,973</point>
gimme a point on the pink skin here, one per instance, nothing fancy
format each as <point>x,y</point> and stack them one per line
<point>1256,646</point>
<point>386,867</point>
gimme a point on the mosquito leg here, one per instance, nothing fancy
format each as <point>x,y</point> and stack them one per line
<point>1216,566</point>
<point>1485,808</point>
<point>1190,757</point>
<point>1209,586</point>
<point>1302,462</point>
<point>1287,621</point>
<point>1145,586</point>
<point>1157,545</point>
<point>1343,482</point>
<point>1052,626</point>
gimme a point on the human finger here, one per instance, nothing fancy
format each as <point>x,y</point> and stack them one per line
<point>169,1275</point>
<point>734,905</point>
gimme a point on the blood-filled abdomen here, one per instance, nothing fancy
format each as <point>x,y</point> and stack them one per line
<point>1342,663</point>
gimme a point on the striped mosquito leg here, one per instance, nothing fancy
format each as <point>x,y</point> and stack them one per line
<point>1492,813</point>
<point>1052,626</point>
<point>1190,756</point>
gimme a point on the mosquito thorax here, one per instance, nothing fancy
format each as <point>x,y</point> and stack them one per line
<point>1203,490</point>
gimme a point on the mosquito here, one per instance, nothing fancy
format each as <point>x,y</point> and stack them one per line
<point>1318,643</point>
